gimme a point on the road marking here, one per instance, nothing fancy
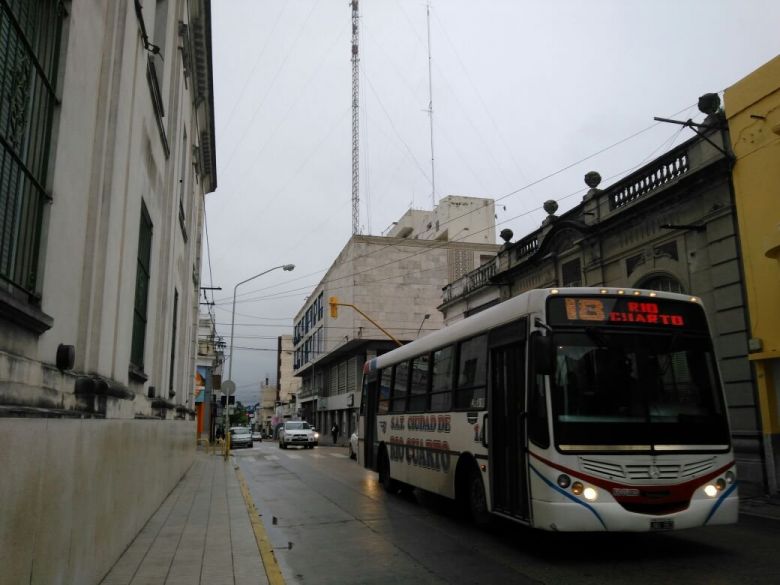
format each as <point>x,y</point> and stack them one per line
<point>339,455</point>
<point>317,455</point>
<point>291,456</point>
<point>272,457</point>
<point>272,570</point>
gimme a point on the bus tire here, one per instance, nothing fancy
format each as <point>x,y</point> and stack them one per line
<point>388,483</point>
<point>477,502</point>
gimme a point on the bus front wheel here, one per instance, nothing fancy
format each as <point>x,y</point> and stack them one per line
<point>477,502</point>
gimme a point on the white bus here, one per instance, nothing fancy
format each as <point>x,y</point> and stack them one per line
<point>571,409</point>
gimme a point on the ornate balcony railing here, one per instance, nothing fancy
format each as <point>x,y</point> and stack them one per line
<point>649,179</point>
<point>469,282</point>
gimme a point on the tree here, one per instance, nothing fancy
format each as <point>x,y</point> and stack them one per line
<point>239,418</point>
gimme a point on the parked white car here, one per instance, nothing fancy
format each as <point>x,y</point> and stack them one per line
<point>298,432</point>
<point>353,445</point>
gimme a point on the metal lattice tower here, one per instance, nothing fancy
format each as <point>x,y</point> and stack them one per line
<point>355,123</point>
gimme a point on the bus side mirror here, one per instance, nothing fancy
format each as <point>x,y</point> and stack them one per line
<point>543,353</point>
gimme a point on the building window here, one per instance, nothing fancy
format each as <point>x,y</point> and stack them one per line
<point>29,45</point>
<point>183,185</point>
<point>173,341</point>
<point>571,273</point>
<point>663,283</point>
<point>668,249</point>
<point>141,289</point>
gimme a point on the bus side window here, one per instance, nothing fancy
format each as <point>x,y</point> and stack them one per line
<point>472,373</point>
<point>418,399</point>
<point>400,387</point>
<point>442,375</point>
<point>383,406</point>
<point>370,387</point>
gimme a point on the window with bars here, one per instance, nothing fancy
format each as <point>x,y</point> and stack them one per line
<point>30,34</point>
<point>141,290</point>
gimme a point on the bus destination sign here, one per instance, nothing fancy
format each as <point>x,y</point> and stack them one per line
<point>625,311</point>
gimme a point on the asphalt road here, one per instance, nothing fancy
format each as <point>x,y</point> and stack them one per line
<point>331,523</point>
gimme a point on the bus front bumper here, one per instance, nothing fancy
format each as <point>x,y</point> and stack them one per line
<point>612,517</point>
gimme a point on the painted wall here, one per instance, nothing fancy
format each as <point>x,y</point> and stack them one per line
<point>90,452</point>
<point>753,111</point>
<point>76,492</point>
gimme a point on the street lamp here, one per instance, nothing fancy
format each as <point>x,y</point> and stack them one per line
<point>288,268</point>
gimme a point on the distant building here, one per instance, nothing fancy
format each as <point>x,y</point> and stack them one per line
<point>394,281</point>
<point>288,385</point>
<point>455,219</point>
<point>208,376</point>
<point>267,406</point>
<point>107,149</point>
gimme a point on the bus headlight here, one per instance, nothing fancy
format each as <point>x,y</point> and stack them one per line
<point>720,485</point>
<point>590,494</point>
<point>564,480</point>
<point>577,488</point>
<point>710,490</point>
<point>730,477</point>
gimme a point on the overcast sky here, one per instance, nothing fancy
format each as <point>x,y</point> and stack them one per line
<point>522,89</point>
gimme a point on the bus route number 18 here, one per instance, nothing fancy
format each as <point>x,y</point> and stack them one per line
<point>585,310</point>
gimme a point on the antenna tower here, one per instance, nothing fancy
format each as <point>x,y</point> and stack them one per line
<point>430,105</point>
<point>355,123</point>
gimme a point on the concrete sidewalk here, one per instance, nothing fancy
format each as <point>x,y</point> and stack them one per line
<point>206,533</point>
<point>763,506</point>
<point>200,535</point>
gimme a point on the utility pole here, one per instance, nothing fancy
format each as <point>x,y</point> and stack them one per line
<point>355,123</point>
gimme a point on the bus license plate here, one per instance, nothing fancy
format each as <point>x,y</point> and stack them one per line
<point>661,524</point>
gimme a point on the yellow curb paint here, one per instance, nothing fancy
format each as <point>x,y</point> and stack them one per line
<point>272,570</point>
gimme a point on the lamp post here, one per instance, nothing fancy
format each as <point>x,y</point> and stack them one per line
<point>287,267</point>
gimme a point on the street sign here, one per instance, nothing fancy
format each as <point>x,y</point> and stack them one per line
<point>228,387</point>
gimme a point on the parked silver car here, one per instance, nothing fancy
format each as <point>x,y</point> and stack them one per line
<point>298,432</point>
<point>240,437</point>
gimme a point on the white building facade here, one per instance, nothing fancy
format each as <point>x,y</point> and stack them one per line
<point>396,282</point>
<point>107,151</point>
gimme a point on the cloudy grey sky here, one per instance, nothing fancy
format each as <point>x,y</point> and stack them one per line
<point>522,89</point>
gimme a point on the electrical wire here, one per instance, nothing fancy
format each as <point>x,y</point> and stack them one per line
<point>254,68</point>
<point>248,126</point>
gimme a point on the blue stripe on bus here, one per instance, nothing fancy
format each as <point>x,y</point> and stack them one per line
<point>721,499</point>
<point>568,495</point>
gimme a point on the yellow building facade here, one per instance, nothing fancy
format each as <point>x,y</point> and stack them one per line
<point>753,110</point>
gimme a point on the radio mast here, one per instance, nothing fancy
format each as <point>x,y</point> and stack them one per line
<point>430,105</point>
<point>355,123</point>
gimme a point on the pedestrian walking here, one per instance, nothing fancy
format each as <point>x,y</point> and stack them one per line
<point>334,431</point>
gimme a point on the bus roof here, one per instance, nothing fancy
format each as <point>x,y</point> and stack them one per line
<point>527,303</point>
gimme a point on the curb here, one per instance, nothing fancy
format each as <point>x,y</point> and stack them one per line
<point>272,570</point>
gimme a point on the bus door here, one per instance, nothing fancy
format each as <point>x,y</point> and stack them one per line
<point>367,424</point>
<point>506,427</point>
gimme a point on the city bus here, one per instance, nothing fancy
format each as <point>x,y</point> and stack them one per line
<point>568,409</point>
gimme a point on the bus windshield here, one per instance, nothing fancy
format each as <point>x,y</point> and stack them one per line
<point>636,391</point>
